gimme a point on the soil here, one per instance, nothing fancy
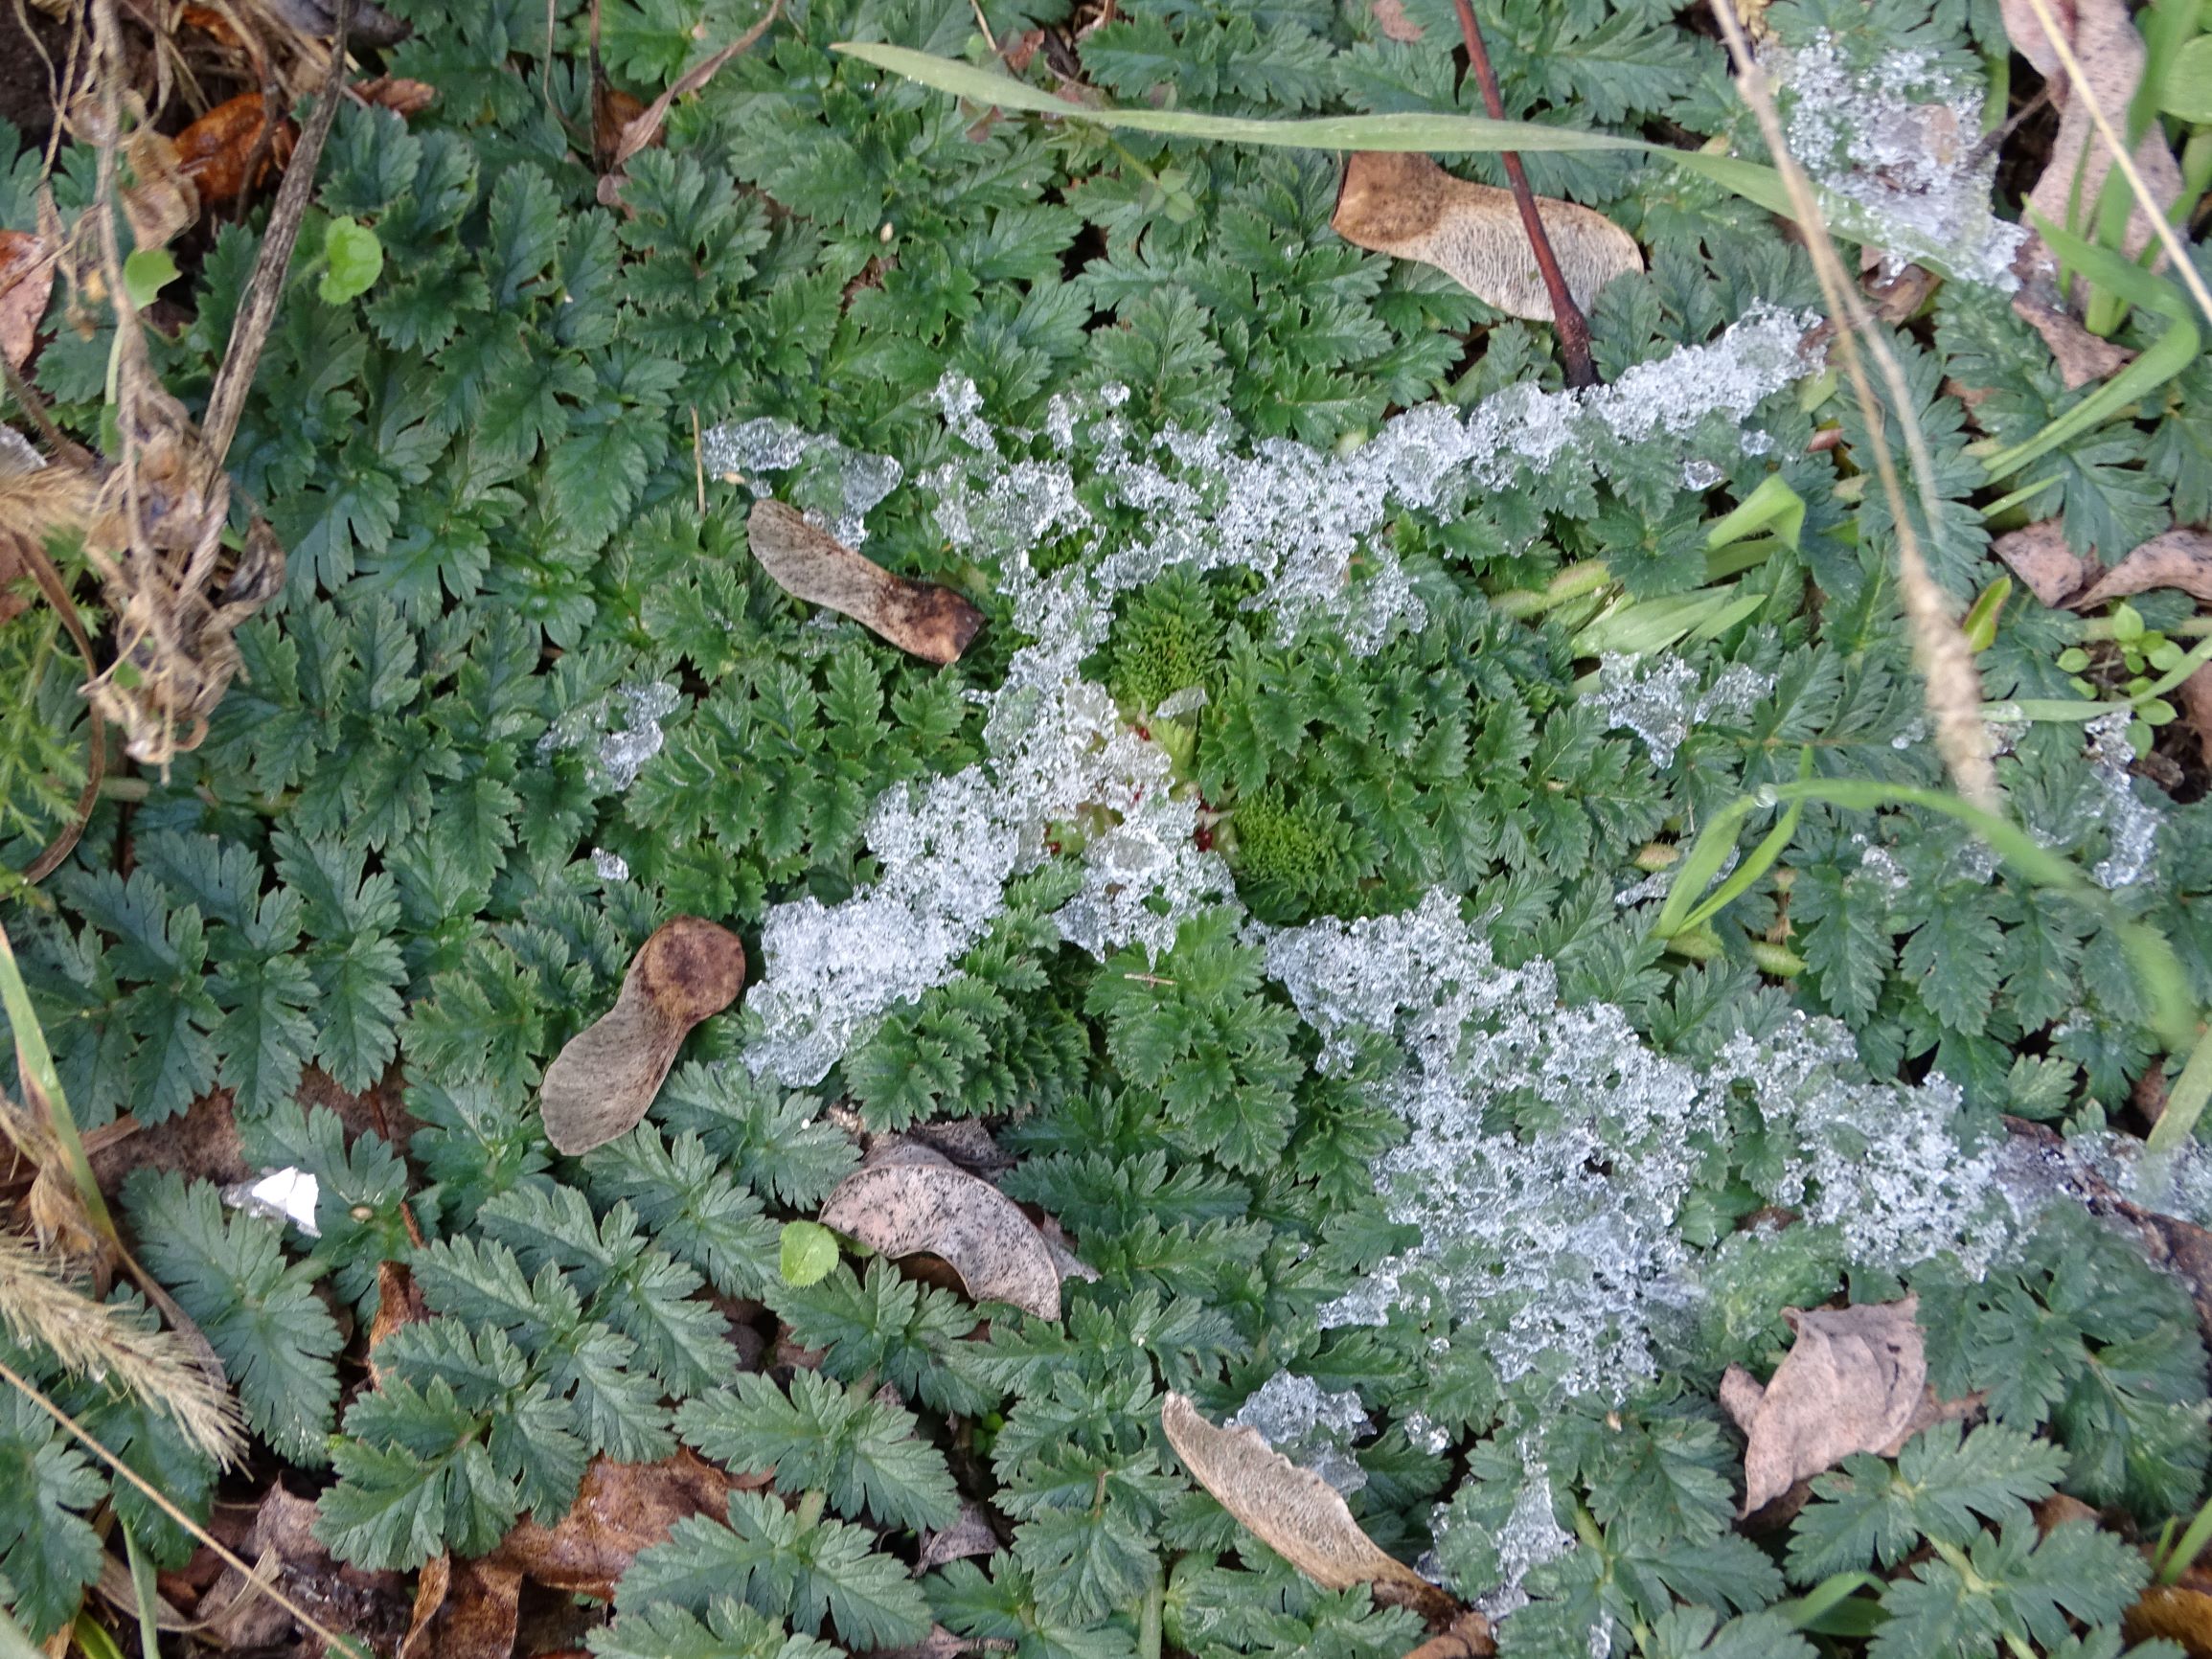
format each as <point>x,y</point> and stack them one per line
<point>25,97</point>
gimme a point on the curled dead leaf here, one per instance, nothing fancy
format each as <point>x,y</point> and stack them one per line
<point>2046,565</point>
<point>972,1533</point>
<point>26,283</point>
<point>906,1199</point>
<point>602,1082</point>
<point>220,149</point>
<point>925,620</point>
<point>2081,355</point>
<point>1294,1512</point>
<point>1407,206</point>
<point>464,1611</point>
<point>2180,559</point>
<point>1468,1636</point>
<point>1853,1381</point>
<point>619,1510</point>
<point>160,201</point>
<point>398,94</point>
<point>2111,54</point>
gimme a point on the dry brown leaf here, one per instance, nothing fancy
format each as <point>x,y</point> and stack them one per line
<point>2040,556</point>
<point>2183,1248</point>
<point>2193,697</point>
<point>217,151</point>
<point>1391,19</point>
<point>939,1643</point>
<point>282,1540</point>
<point>160,201</point>
<point>906,1199</point>
<point>2081,355</point>
<point>619,1510</point>
<point>1468,1637</point>
<point>26,283</point>
<point>602,1082</point>
<point>1294,1512</point>
<point>1407,206</point>
<point>637,131</point>
<point>398,94</point>
<point>925,620</point>
<point>464,1610</point>
<point>398,1303</point>
<point>970,1535</point>
<point>2111,55</point>
<point>1853,1381</point>
<point>2177,1614</point>
<point>2181,558</point>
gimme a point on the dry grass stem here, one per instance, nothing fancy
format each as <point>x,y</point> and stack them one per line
<point>103,1342</point>
<point>2078,83</point>
<point>1953,688</point>
<point>168,1507</point>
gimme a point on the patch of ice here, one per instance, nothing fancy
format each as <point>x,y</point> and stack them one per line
<point>1656,705</point>
<point>2131,822</point>
<point>1900,143</point>
<point>1530,1537</point>
<point>1309,1425</point>
<point>744,450</point>
<point>610,866</point>
<point>618,755</point>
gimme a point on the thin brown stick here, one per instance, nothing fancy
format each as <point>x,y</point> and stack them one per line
<point>1574,330</point>
<point>258,313</point>
<point>161,1502</point>
<point>1946,662</point>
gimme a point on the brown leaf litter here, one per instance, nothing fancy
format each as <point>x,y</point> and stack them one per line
<point>1294,1512</point>
<point>26,283</point>
<point>1406,205</point>
<point>1856,1380</point>
<point>284,1550</point>
<point>471,1609</point>
<point>603,1079</point>
<point>2047,566</point>
<point>2081,355</point>
<point>2054,573</point>
<point>2111,54</point>
<point>906,1199</point>
<point>920,618</point>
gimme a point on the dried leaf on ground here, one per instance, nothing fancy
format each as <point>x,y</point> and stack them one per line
<point>939,1643</point>
<point>1407,206</point>
<point>218,150</point>
<point>906,1199</point>
<point>1853,1381</point>
<point>920,618</point>
<point>282,1542</point>
<point>464,1611</point>
<point>2111,54</point>
<point>619,1510</point>
<point>600,1084</point>
<point>2175,1613</point>
<point>2183,1248</point>
<point>2181,558</point>
<point>1391,20</point>
<point>1468,1637</point>
<point>398,94</point>
<point>644,127</point>
<point>2193,697</point>
<point>2040,556</point>
<point>1293,1511</point>
<point>2081,355</point>
<point>160,201</point>
<point>398,1303</point>
<point>26,283</point>
<point>970,1535</point>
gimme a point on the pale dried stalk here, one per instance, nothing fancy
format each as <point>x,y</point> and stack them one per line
<point>2078,86</point>
<point>100,1341</point>
<point>162,1501</point>
<point>1953,688</point>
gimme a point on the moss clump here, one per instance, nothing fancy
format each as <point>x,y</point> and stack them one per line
<point>1168,637</point>
<point>1292,858</point>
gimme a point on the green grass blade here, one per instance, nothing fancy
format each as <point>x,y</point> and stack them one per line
<point>2175,1126</point>
<point>1762,856</point>
<point>142,1587</point>
<point>39,1066</point>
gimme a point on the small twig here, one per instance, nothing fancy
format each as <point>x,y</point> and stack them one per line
<point>1997,135</point>
<point>984,23</point>
<point>642,129</point>
<point>1574,330</point>
<point>257,314</point>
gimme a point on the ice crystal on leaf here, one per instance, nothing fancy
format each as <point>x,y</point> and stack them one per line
<point>619,751</point>
<point>1655,703</point>
<point>855,481</point>
<point>2131,822</point>
<point>1310,1425</point>
<point>1899,143</point>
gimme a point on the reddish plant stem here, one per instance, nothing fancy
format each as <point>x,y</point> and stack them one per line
<point>1574,331</point>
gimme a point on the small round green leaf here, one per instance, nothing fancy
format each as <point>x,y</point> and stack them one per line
<point>354,258</point>
<point>2188,92</point>
<point>809,1250</point>
<point>2073,660</point>
<point>2126,622</point>
<point>145,273</point>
